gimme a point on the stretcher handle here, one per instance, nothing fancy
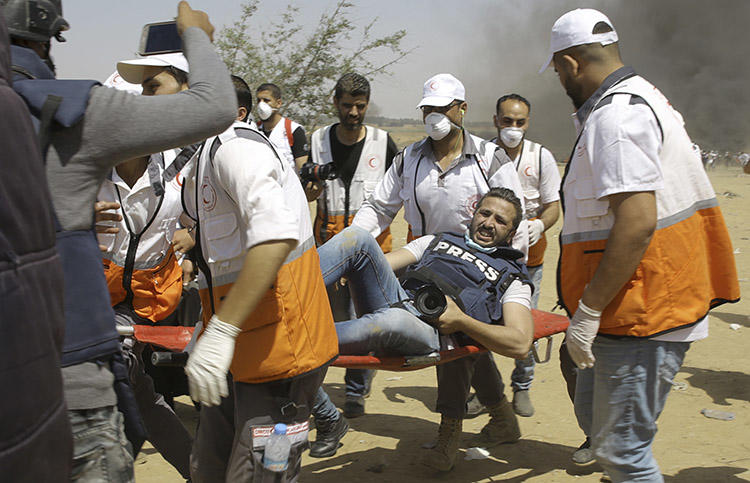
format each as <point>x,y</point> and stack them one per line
<point>169,359</point>
<point>125,331</point>
<point>547,353</point>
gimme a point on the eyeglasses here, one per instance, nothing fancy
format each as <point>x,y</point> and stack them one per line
<point>440,109</point>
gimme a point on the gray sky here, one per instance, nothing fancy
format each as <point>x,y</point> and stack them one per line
<point>694,51</point>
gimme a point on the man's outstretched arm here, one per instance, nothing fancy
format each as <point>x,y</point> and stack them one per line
<point>512,339</point>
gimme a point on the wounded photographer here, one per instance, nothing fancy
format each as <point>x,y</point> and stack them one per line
<point>488,300</point>
<point>486,286</point>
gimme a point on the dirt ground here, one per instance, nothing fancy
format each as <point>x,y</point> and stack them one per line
<point>385,444</point>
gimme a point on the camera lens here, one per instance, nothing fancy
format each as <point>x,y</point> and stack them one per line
<point>430,301</point>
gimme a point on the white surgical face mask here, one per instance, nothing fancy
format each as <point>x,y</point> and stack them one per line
<point>511,136</point>
<point>437,125</point>
<point>264,111</point>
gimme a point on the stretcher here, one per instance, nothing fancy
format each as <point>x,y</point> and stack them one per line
<point>174,340</point>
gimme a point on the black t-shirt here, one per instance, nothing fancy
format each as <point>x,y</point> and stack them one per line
<point>346,158</point>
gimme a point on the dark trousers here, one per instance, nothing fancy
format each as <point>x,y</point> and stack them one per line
<point>456,377</point>
<point>165,430</point>
<point>223,449</point>
<point>568,370</point>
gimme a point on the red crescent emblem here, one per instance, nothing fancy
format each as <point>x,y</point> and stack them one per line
<point>472,202</point>
<point>434,85</point>
<point>177,178</point>
<point>372,162</point>
<point>526,171</point>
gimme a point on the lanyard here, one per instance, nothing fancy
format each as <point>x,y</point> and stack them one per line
<point>133,242</point>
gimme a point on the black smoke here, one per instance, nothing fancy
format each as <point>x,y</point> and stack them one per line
<point>696,52</point>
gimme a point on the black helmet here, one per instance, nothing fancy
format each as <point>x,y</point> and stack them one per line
<point>37,20</point>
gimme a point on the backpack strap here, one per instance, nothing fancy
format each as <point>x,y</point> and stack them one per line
<point>289,133</point>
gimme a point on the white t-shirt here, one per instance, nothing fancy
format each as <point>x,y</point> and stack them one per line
<point>517,292</point>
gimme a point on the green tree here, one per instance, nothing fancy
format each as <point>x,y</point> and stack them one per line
<point>304,64</point>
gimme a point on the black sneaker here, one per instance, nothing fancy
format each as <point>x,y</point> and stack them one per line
<point>473,407</point>
<point>584,455</point>
<point>328,440</point>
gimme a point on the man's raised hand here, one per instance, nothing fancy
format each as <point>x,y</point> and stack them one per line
<point>187,17</point>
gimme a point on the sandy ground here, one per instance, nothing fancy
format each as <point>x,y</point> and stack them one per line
<point>385,444</point>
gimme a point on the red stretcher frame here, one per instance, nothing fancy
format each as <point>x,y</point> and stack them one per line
<point>546,324</point>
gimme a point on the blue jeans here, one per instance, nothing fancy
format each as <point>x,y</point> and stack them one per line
<point>100,450</point>
<point>523,373</point>
<point>355,255</point>
<point>618,401</point>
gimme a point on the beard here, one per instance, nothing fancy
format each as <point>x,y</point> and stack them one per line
<point>576,95</point>
<point>350,124</point>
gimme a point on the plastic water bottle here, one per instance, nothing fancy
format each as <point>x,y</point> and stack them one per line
<point>276,456</point>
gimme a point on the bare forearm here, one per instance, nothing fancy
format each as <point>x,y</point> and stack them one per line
<point>550,213</point>
<point>258,274</point>
<point>635,222</point>
<point>511,340</point>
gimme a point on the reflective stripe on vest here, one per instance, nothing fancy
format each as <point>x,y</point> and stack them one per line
<point>688,267</point>
<point>291,331</point>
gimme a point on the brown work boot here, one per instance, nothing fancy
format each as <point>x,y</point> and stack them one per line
<point>443,455</point>
<point>502,428</point>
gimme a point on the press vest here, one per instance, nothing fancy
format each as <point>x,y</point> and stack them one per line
<point>475,279</point>
<point>338,204</point>
<point>688,267</point>
<point>148,277</point>
<point>529,168</point>
<point>89,320</point>
<point>291,331</point>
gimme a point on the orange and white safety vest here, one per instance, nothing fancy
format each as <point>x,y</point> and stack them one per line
<point>529,169</point>
<point>139,264</point>
<point>336,206</point>
<point>688,267</point>
<point>291,331</point>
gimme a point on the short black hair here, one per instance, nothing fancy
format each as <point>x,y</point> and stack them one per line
<point>244,95</point>
<point>272,88</point>
<point>514,97</point>
<point>353,84</point>
<point>509,196</point>
<point>601,28</point>
<point>179,75</point>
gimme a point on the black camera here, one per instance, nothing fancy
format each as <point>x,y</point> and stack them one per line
<point>428,299</point>
<point>311,172</point>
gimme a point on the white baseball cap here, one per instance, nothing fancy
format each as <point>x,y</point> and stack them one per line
<point>132,70</point>
<point>576,28</point>
<point>440,90</point>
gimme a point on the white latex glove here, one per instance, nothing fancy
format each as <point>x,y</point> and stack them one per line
<point>581,334</point>
<point>209,362</point>
<point>196,332</point>
<point>536,228</point>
